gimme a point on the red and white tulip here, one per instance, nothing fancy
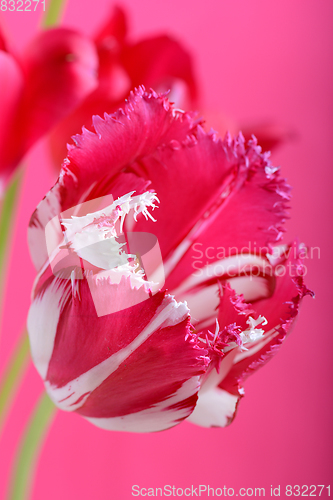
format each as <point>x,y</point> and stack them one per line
<point>140,345</point>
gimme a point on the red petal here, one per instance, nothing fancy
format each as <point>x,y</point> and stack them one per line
<point>61,70</point>
<point>155,62</point>
<point>119,142</point>
<point>115,28</point>
<point>185,174</point>
<point>249,275</point>
<point>146,122</point>
<point>84,340</point>
<point>114,86</point>
<point>156,370</point>
<point>141,359</point>
<point>252,199</point>
<point>269,135</point>
<point>3,45</point>
<point>221,390</point>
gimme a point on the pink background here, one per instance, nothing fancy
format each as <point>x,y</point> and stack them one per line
<point>255,59</point>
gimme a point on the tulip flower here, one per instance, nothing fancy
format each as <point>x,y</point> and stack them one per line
<point>162,279</point>
<point>64,77</point>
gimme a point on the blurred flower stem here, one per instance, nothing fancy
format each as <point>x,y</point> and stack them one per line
<point>53,13</point>
<point>7,217</point>
<point>26,459</point>
<point>13,375</point>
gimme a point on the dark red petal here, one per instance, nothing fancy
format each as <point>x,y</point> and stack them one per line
<point>3,44</point>
<point>84,340</point>
<point>115,28</point>
<point>151,374</point>
<point>11,85</point>
<point>232,308</point>
<point>269,135</point>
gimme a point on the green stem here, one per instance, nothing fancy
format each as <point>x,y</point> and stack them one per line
<point>13,376</point>
<point>53,12</point>
<point>26,460</point>
<point>8,212</point>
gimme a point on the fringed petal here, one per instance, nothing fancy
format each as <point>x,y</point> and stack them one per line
<point>247,336</point>
<point>249,275</point>
<point>68,192</point>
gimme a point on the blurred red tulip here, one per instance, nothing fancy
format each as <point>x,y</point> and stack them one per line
<point>58,70</point>
<point>64,78</point>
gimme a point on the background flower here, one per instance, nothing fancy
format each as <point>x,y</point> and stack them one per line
<point>58,69</point>
<point>64,77</point>
<point>255,59</point>
<point>159,62</point>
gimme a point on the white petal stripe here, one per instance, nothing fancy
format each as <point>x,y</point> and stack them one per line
<point>231,266</point>
<point>42,323</point>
